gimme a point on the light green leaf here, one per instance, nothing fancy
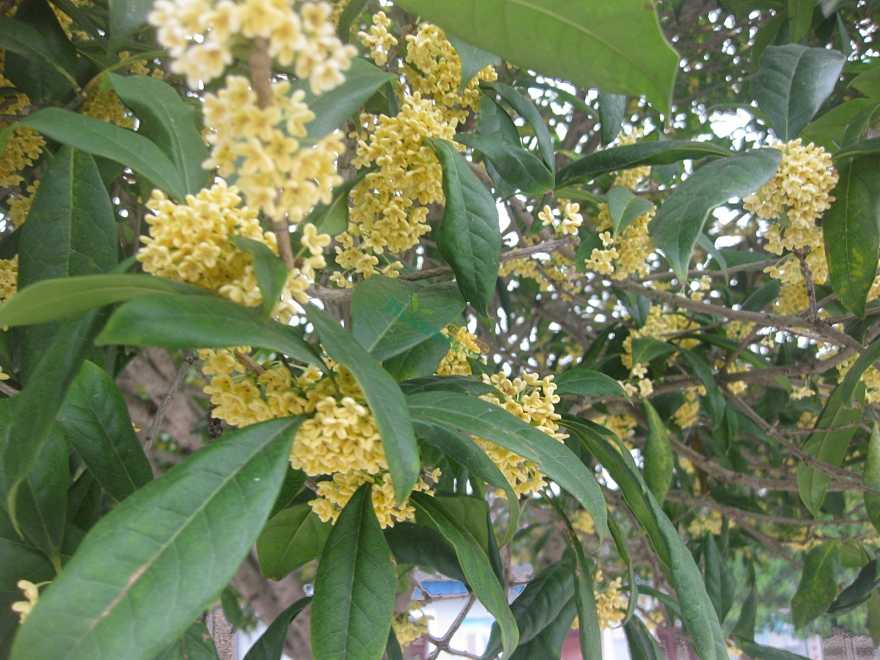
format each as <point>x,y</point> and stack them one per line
<point>157,560</point>
<point>391,316</point>
<point>170,122</point>
<point>469,236</point>
<point>474,561</point>
<point>383,396</point>
<point>587,382</point>
<point>270,646</point>
<point>109,141</point>
<point>633,155</point>
<point>659,460</point>
<point>872,478</point>
<point>831,128</point>
<point>522,169</point>
<point>184,321</point>
<point>473,59</point>
<point>354,589</point>
<point>818,587</point>
<point>466,414</point>
<point>332,109</point>
<point>681,217</point>
<point>612,109</point>
<point>793,82</point>
<point>291,538</point>
<point>270,271</point>
<point>95,419</point>
<point>68,297</point>
<point>590,45</point>
<point>851,229</point>
<point>868,82</point>
<point>624,207</point>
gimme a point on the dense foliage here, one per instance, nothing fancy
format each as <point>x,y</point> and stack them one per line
<point>453,288</point>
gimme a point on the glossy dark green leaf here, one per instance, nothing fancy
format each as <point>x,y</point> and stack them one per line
<point>424,547</point>
<point>270,271</point>
<point>19,37</point>
<point>634,155</point>
<point>185,321</point>
<point>548,643</point>
<point>645,349</point>
<point>831,129</point>
<point>473,59</point>
<point>851,229</point>
<point>127,17</point>
<point>383,395</point>
<point>713,566</point>
<point>474,561</point>
<point>624,207</point>
<point>526,109</point>
<point>348,18</point>
<point>872,478</point>
<point>612,110</point>
<point>682,216</point>
<point>95,419</point>
<point>332,218</point>
<point>354,588</point>
<point>419,361</point>
<point>270,646</point>
<point>761,652</point>
<point>857,592</point>
<point>818,587</point>
<point>587,382</point>
<point>465,414</point>
<point>120,145</point>
<point>642,645</point>
<point>748,614</point>
<point>469,236</point>
<point>157,560</point>
<point>461,384</point>
<point>522,169</point>
<point>793,82</point>
<point>588,45</point>
<point>169,122</point>
<point>291,538</point>
<point>589,632</point>
<point>617,535</point>
<point>194,644</point>
<point>659,459</point>
<point>332,109</point>
<point>68,297</point>
<point>390,316</point>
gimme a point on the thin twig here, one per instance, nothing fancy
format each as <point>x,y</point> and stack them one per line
<point>162,410</point>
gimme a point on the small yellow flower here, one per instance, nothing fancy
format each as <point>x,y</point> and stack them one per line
<point>31,593</point>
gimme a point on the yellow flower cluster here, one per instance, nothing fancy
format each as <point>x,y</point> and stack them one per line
<point>687,414</point>
<point>262,147</point>
<point>555,272</point>
<point>582,521</point>
<point>379,39</point>
<point>568,224</point>
<point>389,208</point>
<point>705,523</point>
<point>661,325</point>
<point>641,384</point>
<point>463,347</point>
<point>611,603</point>
<point>24,145</point>
<point>8,277</point>
<point>20,204</point>
<point>409,626</point>
<point>622,425</point>
<point>533,400</point>
<point>434,70</point>
<point>23,607</point>
<point>633,176</point>
<point>191,242</point>
<point>105,105</point>
<point>623,255</point>
<point>200,35</point>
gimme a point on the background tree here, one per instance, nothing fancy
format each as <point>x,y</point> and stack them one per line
<point>307,293</point>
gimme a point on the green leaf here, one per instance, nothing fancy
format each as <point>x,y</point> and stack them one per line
<point>761,652</point>
<point>548,643</point>
<point>157,560</point>
<point>391,316</point>
<point>350,13</point>
<point>469,236</point>
<point>642,645</point>
<point>873,618</point>
<point>95,418</point>
<point>612,110</point>
<point>713,568</point>
<point>587,382</point>
<point>419,361</point>
<point>194,644</point>
<point>354,588</point>
<point>590,46</point>
<point>19,37</point>
<point>697,611</point>
<point>526,109</point>
<point>624,207</point>
<point>745,625</point>
<point>858,591</point>
<point>633,155</point>
<point>792,83</point>
<point>872,478</point>
<point>473,59</point>
<point>522,169</point>
<point>332,109</point>
<point>291,538</point>
<point>127,17</point>
<point>474,561</point>
<point>383,395</point>
<point>332,218</point>
<point>645,349</point>
<point>170,122</point>
<point>817,588</point>
<point>539,604</point>
<point>270,646</point>
<point>68,297</point>
<point>830,129</point>
<point>109,141</point>
<point>589,633</point>
<point>270,271</point>
<point>184,321</point>
<point>864,148</point>
<point>659,460</point>
<point>851,229</point>
<point>619,539</point>
<point>424,547</point>
<point>465,414</point>
<point>681,217</point>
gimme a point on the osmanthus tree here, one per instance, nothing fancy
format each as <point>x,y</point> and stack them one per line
<point>462,286</point>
